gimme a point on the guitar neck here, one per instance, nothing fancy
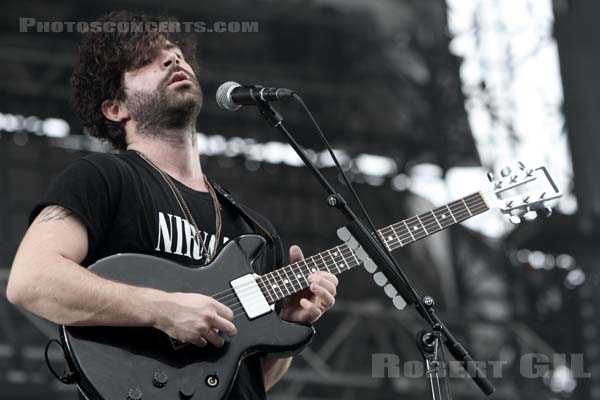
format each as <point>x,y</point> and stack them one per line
<point>293,278</point>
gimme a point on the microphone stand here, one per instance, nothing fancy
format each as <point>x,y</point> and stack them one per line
<point>394,274</point>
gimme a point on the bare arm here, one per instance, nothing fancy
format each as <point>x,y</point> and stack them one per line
<point>46,279</point>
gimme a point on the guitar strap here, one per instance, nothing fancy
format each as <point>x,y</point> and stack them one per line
<point>271,236</point>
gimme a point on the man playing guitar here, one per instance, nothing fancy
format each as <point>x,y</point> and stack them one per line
<point>140,92</point>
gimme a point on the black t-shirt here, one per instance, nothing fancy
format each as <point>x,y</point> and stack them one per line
<point>127,207</point>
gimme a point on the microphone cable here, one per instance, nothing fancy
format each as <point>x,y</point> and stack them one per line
<point>398,270</point>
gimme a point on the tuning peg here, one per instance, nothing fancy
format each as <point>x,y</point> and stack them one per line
<point>521,166</point>
<point>514,220</point>
<point>544,212</point>
<point>505,172</point>
<point>490,176</point>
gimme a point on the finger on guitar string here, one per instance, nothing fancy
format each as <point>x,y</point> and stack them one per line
<point>326,281</point>
<point>190,316</point>
<point>223,310</point>
<point>222,324</point>
<point>322,276</point>
<point>323,295</point>
<point>214,338</point>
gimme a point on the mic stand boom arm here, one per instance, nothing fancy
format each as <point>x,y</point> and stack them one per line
<point>382,259</point>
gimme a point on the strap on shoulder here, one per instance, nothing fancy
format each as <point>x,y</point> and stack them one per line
<point>256,226</point>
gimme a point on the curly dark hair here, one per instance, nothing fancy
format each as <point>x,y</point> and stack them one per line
<point>106,54</point>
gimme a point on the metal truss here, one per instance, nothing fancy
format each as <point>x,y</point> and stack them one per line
<point>340,365</point>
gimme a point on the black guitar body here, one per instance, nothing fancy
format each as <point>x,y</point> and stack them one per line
<point>114,363</point>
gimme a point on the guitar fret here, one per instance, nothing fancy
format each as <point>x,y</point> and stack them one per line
<point>273,285</point>
<point>397,237</point>
<point>442,217</point>
<point>348,263</point>
<point>353,255</point>
<point>385,238</point>
<point>465,212</point>
<point>263,287</point>
<point>289,284</point>
<point>316,264</point>
<point>436,220</point>
<point>305,275</point>
<point>351,258</point>
<point>345,263</point>
<point>332,264</point>
<point>416,228</point>
<point>452,215</point>
<point>283,281</point>
<point>421,222</point>
<point>324,262</point>
<point>336,264</point>
<point>290,281</point>
<point>408,229</point>
<point>467,207</point>
<point>295,276</point>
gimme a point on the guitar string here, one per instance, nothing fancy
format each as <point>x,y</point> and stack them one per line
<point>474,197</point>
<point>331,259</point>
<point>404,237</point>
<point>281,291</point>
<point>255,298</point>
<point>272,292</point>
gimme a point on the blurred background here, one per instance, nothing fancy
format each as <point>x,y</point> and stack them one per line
<point>420,98</point>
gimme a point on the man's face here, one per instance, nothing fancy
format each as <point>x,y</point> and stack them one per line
<point>164,93</point>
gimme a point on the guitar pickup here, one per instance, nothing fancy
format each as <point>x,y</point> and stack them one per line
<point>250,296</point>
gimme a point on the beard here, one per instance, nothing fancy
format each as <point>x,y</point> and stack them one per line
<point>165,113</point>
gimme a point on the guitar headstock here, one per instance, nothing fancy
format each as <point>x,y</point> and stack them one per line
<point>523,193</point>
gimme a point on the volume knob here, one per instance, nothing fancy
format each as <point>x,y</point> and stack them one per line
<point>160,379</point>
<point>134,394</point>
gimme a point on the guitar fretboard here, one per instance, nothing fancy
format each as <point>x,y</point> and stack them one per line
<point>293,278</point>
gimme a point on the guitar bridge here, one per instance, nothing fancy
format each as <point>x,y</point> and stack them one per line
<point>250,296</point>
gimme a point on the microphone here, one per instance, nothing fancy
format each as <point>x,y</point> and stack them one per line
<point>231,95</point>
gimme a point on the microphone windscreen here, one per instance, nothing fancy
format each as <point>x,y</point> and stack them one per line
<point>224,96</point>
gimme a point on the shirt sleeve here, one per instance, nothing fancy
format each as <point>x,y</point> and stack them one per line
<point>90,188</point>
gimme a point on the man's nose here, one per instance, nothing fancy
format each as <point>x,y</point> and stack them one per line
<point>170,58</point>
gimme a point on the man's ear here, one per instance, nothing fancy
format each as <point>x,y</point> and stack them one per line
<point>115,111</point>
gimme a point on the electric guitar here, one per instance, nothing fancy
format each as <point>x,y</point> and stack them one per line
<point>115,363</point>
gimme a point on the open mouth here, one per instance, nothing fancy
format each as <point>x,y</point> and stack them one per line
<point>178,77</point>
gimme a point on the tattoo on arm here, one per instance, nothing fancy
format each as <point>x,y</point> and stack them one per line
<point>54,213</point>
